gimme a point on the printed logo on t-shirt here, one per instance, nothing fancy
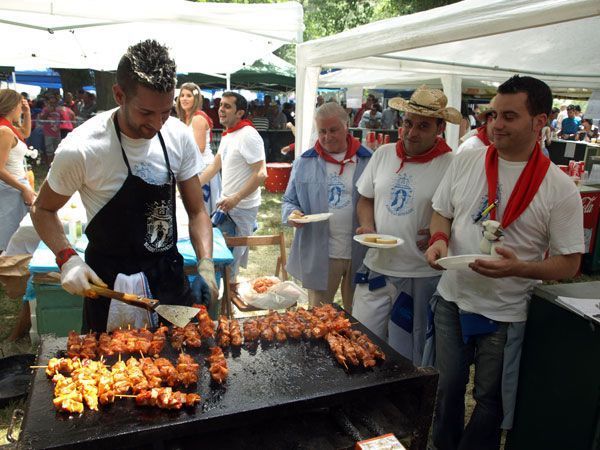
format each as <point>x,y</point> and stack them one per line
<point>401,201</point>
<point>159,226</point>
<point>338,196</point>
<point>149,174</point>
<point>484,203</point>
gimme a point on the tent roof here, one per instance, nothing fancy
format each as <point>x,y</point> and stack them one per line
<point>480,40</point>
<point>203,37</point>
<point>268,73</point>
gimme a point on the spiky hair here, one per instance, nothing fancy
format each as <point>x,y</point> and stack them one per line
<point>147,63</point>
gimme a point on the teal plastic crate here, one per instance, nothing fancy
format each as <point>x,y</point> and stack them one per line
<point>57,311</point>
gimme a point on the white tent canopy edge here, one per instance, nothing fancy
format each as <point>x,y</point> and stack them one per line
<point>376,46</point>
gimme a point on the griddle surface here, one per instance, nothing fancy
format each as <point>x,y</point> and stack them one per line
<point>264,381</point>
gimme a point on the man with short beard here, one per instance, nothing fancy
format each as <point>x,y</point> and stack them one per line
<point>480,311</point>
<point>126,164</point>
<point>395,284</point>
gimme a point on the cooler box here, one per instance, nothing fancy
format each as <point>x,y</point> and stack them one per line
<point>278,176</point>
<point>57,311</point>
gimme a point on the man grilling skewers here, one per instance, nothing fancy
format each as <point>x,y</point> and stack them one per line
<point>125,163</point>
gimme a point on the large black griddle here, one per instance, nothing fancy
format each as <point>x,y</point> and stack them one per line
<point>15,376</point>
<point>265,381</point>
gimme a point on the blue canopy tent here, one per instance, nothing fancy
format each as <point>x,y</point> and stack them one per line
<point>48,78</point>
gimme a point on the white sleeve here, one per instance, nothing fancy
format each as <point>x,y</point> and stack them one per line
<point>67,171</point>
<point>566,225</point>
<point>191,160</point>
<point>252,147</point>
<point>442,199</point>
<point>365,182</point>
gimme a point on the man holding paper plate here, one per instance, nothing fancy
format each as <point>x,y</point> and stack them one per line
<point>395,284</point>
<point>480,309</point>
<point>320,202</point>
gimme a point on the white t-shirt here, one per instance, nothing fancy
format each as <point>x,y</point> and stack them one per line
<point>15,163</point>
<point>472,143</point>
<point>239,150</point>
<point>402,208</point>
<point>553,219</point>
<point>89,160</point>
<point>339,194</point>
<point>207,156</point>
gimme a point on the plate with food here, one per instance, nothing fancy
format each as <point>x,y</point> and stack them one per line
<point>310,218</point>
<point>461,262</point>
<point>378,240</point>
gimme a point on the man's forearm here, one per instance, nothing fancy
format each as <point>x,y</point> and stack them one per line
<point>251,185</point>
<point>365,211</point>
<point>440,223</point>
<point>557,267</point>
<point>200,229</point>
<point>208,174</point>
<point>49,228</point>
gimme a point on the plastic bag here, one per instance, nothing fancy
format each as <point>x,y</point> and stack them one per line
<point>279,296</point>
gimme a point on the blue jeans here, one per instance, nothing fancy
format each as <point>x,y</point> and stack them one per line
<point>453,360</point>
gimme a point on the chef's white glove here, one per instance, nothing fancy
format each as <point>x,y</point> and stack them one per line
<point>75,276</point>
<point>206,269</point>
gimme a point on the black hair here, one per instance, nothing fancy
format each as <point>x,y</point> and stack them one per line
<point>555,111</point>
<point>577,108</point>
<point>571,108</point>
<point>590,121</point>
<point>240,101</point>
<point>539,95</point>
<point>147,63</point>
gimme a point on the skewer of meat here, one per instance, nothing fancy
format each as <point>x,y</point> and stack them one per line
<point>205,324</point>
<point>187,370</point>
<point>166,398</point>
<point>251,331</point>
<point>218,365</point>
<point>235,333</point>
<point>223,334</point>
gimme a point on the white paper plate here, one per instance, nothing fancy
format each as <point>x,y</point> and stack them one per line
<point>360,238</point>
<point>312,218</point>
<point>461,262</point>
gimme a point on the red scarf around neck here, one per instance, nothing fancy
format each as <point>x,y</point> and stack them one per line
<point>352,146</point>
<point>241,124</point>
<point>483,136</point>
<point>438,149</point>
<point>4,121</point>
<point>527,185</point>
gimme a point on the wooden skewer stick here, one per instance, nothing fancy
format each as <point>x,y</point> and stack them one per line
<point>125,396</point>
<point>38,367</point>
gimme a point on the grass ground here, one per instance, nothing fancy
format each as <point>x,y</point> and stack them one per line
<point>262,261</point>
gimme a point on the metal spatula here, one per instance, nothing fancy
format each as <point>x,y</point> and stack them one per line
<point>176,314</point>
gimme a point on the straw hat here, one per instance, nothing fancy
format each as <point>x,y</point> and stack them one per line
<point>429,103</point>
<point>485,112</point>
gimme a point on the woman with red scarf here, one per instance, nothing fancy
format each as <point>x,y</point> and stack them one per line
<point>189,111</point>
<point>16,195</point>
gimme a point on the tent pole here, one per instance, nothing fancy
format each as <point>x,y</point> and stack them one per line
<point>452,85</point>
<point>14,79</point>
<point>228,81</point>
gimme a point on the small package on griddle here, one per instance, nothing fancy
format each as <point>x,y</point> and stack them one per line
<point>271,293</point>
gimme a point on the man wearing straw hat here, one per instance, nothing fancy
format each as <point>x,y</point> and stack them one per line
<point>480,310</point>
<point>482,136</point>
<point>394,285</point>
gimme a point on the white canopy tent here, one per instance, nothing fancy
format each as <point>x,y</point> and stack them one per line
<point>211,38</point>
<point>483,40</point>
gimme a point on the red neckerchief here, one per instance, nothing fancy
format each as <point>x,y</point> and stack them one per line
<point>438,149</point>
<point>241,124</point>
<point>352,146</point>
<point>527,185</point>
<point>483,136</point>
<point>4,121</point>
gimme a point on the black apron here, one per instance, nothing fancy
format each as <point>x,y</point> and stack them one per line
<point>136,231</point>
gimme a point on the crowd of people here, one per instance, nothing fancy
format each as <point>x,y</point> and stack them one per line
<point>129,162</point>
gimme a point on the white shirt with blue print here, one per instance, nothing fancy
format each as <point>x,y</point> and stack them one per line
<point>339,194</point>
<point>402,208</point>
